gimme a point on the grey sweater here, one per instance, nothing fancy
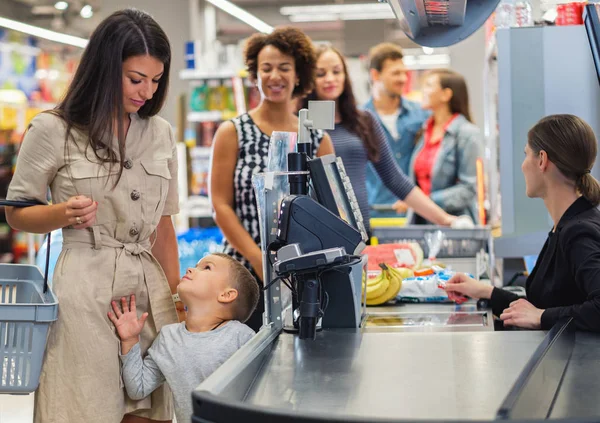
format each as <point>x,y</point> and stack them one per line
<point>183,359</point>
<point>351,149</point>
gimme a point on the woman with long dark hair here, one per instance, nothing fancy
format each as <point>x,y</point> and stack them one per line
<point>359,139</point>
<point>565,282</point>
<point>444,161</point>
<point>111,166</point>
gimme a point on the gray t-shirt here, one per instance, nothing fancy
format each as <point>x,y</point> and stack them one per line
<point>183,359</point>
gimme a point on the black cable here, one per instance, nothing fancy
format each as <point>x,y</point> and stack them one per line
<point>270,284</point>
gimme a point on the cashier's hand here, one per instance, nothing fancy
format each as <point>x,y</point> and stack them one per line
<point>523,314</point>
<point>400,207</point>
<point>460,285</point>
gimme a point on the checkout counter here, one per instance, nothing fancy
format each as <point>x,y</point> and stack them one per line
<point>396,363</point>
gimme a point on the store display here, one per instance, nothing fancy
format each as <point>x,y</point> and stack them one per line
<point>569,14</point>
<point>200,166</point>
<point>199,98</point>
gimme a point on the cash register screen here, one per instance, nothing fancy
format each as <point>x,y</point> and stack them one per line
<point>329,188</point>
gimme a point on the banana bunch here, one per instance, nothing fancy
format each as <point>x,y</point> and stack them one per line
<point>386,286</point>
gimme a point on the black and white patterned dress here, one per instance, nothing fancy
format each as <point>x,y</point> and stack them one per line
<point>253,147</point>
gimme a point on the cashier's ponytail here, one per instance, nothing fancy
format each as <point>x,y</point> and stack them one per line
<point>571,145</point>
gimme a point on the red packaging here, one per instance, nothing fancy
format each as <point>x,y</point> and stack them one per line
<point>560,15</point>
<point>569,14</point>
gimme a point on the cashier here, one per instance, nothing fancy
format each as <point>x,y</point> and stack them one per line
<point>559,155</point>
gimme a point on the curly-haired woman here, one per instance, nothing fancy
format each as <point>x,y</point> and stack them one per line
<point>282,64</point>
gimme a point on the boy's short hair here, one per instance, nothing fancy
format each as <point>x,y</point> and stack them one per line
<point>382,52</point>
<point>247,287</point>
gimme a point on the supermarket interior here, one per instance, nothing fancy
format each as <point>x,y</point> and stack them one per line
<point>399,195</point>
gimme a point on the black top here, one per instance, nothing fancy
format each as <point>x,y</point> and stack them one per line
<point>565,281</point>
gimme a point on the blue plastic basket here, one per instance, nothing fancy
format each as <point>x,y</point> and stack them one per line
<point>27,307</point>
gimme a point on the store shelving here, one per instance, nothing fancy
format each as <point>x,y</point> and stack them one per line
<point>208,116</point>
<point>198,74</point>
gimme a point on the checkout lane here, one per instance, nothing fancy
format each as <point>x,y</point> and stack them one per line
<point>397,363</point>
<point>378,375</point>
<point>388,374</point>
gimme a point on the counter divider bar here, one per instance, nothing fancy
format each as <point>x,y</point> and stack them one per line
<point>533,394</point>
<point>235,377</point>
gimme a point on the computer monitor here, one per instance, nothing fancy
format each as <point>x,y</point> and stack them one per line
<point>334,191</point>
<point>592,26</point>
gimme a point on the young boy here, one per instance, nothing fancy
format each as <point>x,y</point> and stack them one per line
<point>219,294</point>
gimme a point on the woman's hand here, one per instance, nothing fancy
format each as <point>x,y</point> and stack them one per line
<point>80,211</point>
<point>400,207</point>
<point>462,285</point>
<point>127,323</point>
<point>523,314</point>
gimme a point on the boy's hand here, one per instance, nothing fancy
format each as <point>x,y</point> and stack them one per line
<point>127,323</point>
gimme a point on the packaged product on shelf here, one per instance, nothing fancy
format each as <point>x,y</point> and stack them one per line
<point>217,97</point>
<point>206,134</point>
<point>200,165</point>
<point>199,98</point>
<point>229,96</point>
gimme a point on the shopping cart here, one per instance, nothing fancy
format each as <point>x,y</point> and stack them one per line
<point>27,307</point>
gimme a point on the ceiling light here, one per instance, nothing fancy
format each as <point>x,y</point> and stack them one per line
<point>36,31</point>
<point>239,13</point>
<point>338,9</point>
<point>86,11</point>
<point>61,5</point>
<point>340,16</point>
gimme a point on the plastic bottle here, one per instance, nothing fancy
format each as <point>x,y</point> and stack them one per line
<point>505,14</point>
<point>199,99</point>
<point>523,14</point>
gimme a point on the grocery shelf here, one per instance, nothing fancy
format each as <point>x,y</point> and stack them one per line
<point>198,74</point>
<point>210,116</point>
<point>197,206</point>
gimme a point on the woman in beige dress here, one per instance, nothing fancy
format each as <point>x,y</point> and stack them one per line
<point>110,164</point>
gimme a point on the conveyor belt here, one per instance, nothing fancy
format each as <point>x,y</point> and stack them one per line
<point>401,375</point>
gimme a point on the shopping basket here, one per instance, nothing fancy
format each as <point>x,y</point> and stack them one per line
<point>27,307</point>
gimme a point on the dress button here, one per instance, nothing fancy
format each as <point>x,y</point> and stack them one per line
<point>128,164</point>
<point>135,195</point>
<point>398,155</point>
<point>133,232</point>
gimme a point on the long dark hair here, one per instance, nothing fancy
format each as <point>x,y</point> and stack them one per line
<point>358,122</point>
<point>95,96</point>
<point>459,103</point>
<point>571,145</point>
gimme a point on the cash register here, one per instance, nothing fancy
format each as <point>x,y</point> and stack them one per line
<point>320,236</point>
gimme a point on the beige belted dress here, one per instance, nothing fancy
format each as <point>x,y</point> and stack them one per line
<point>81,379</point>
